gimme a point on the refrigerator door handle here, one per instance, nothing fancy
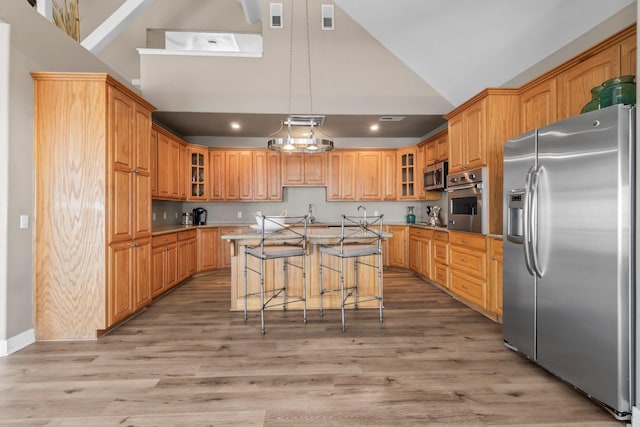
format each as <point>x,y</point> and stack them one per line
<point>535,181</point>
<point>527,221</point>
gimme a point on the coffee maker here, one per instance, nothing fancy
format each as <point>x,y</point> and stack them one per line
<point>199,216</point>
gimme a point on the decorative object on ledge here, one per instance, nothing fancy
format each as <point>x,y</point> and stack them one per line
<point>67,18</point>
<point>302,133</point>
<point>619,90</point>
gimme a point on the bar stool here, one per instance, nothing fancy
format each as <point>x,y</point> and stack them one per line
<point>359,237</point>
<point>277,241</point>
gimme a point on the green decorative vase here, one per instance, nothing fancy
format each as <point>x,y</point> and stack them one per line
<point>619,90</point>
<point>411,218</point>
<point>594,104</point>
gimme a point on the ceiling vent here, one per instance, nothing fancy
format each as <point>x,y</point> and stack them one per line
<point>391,118</point>
<point>327,17</point>
<point>275,13</point>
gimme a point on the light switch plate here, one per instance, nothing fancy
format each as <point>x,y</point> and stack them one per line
<point>24,221</point>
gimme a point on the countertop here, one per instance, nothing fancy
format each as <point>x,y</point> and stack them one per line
<point>166,229</point>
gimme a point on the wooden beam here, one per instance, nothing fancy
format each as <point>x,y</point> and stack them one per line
<point>113,25</point>
<point>252,10</point>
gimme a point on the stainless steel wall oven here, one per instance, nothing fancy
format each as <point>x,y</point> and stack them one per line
<point>467,200</point>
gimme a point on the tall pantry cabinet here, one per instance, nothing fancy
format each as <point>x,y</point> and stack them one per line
<point>93,204</point>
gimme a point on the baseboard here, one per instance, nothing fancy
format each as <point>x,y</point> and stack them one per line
<point>17,342</point>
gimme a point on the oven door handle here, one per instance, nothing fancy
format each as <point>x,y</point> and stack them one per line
<point>464,187</point>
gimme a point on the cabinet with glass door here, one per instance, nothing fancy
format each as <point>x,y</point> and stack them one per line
<point>198,158</point>
<point>407,164</point>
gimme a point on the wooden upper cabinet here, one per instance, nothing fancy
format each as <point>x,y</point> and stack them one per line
<point>176,185</point>
<point>389,176</point>
<point>341,176</point>
<point>164,166</point>
<point>407,173</point>
<point>130,141</point>
<point>232,175</point>
<point>467,137</point>
<point>430,152</point>
<point>266,175</point>
<point>575,84</point>
<point>538,105</point>
<point>369,175</point>
<point>475,152</point>
<point>442,147</point>
<point>198,172</point>
<point>304,169</point>
<point>121,132</point>
<point>245,165</point>
<point>274,177</point>
<point>456,144</point>
<point>628,56</point>
<point>217,175</point>
<point>153,142</point>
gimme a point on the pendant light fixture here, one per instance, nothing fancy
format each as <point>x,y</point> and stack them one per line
<point>300,133</point>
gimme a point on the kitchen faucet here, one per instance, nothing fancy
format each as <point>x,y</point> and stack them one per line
<point>312,219</point>
<point>365,211</point>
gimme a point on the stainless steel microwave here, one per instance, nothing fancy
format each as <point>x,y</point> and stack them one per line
<point>434,177</point>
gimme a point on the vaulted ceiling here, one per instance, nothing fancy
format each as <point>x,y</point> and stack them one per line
<point>418,58</point>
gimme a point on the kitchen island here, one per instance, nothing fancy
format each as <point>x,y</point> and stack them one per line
<point>316,236</point>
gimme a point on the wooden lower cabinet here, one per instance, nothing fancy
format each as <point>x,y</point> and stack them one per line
<point>420,251</point>
<point>164,263</point>
<point>468,267</point>
<point>129,279</point>
<point>187,254</point>
<point>495,276</point>
<point>395,249</point>
<point>440,260</point>
<point>224,248</point>
<point>208,248</point>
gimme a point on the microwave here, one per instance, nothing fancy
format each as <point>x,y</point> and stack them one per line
<point>434,177</point>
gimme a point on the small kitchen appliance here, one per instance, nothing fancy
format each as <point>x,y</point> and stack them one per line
<point>187,218</point>
<point>434,177</point>
<point>199,216</point>
<point>433,216</point>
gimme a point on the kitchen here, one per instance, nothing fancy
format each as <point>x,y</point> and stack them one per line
<point>401,208</point>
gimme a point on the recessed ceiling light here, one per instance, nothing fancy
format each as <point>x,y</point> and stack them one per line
<point>235,125</point>
<point>374,127</point>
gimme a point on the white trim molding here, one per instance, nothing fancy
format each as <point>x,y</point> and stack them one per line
<point>17,342</point>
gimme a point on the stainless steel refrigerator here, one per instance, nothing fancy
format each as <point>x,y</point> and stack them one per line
<point>569,191</point>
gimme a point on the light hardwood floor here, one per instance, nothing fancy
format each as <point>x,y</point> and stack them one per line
<point>189,361</point>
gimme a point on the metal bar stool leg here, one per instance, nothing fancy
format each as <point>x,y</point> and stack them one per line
<point>262,295</point>
<point>355,283</point>
<point>284,284</point>
<point>304,288</point>
<point>380,285</point>
<point>342,290</point>
<point>245,285</point>
<point>321,286</point>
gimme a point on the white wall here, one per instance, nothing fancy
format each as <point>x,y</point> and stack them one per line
<point>4,177</point>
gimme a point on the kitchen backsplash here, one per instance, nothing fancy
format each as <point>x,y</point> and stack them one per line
<point>296,202</point>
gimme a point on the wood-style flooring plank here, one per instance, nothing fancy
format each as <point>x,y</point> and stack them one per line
<point>189,361</point>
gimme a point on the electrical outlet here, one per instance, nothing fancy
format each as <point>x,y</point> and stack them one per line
<point>24,221</point>
<point>153,216</point>
<point>164,215</point>
<point>176,215</point>
<point>239,214</point>
<point>375,213</point>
